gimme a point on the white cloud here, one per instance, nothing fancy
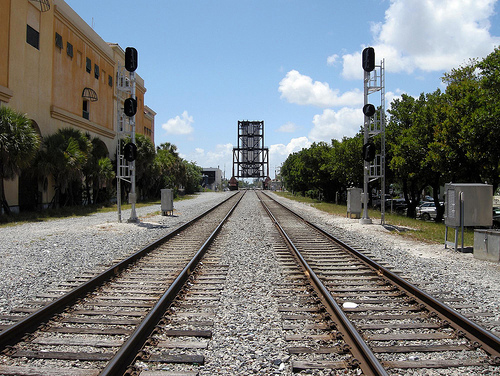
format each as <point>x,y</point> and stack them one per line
<point>336,124</point>
<point>430,35</point>
<point>278,153</point>
<point>300,89</point>
<point>331,60</point>
<point>390,96</point>
<point>295,144</point>
<point>179,125</point>
<point>221,157</point>
<point>287,128</point>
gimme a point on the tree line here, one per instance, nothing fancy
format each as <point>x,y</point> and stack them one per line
<point>79,164</point>
<point>439,137</point>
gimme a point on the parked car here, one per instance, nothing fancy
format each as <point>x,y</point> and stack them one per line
<point>427,210</point>
<point>376,201</point>
<point>398,205</point>
<point>496,217</point>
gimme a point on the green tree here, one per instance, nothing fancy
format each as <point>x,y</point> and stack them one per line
<point>63,155</point>
<point>489,117</point>
<point>172,167</point>
<point>466,142</point>
<point>347,170</point>
<point>294,173</point>
<point>145,176</point>
<point>453,150</point>
<point>19,143</point>
<point>192,177</point>
<point>410,132</point>
<point>92,169</point>
<point>317,167</point>
<point>105,174</point>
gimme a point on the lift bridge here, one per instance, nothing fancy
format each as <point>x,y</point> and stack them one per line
<point>250,158</point>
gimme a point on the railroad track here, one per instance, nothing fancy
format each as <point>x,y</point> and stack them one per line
<point>101,326</point>
<point>390,331</point>
<point>387,325</point>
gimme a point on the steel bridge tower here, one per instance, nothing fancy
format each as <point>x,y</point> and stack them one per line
<point>250,158</point>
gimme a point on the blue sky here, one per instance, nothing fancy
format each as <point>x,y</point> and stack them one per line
<point>294,64</point>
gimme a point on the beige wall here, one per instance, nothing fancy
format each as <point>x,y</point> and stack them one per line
<point>29,68</point>
<point>70,77</point>
<point>47,84</point>
<point>4,44</point>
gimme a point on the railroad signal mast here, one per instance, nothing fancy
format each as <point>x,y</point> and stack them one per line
<point>126,155</point>
<point>374,125</point>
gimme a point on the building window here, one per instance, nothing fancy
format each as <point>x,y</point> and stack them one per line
<point>96,71</point>
<point>59,41</point>
<point>32,37</point>
<point>110,81</point>
<point>69,49</point>
<point>88,65</point>
<point>86,108</point>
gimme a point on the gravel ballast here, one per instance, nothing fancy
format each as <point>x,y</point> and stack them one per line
<point>37,255</point>
<point>432,267</point>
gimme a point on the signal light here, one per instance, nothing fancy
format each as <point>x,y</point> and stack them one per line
<point>368,59</point>
<point>130,152</point>
<point>130,59</point>
<point>369,110</point>
<point>130,107</point>
<point>369,151</point>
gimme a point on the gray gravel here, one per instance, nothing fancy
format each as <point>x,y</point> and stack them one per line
<point>34,256</point>
<point>434,268</point>
<point>248,336</point>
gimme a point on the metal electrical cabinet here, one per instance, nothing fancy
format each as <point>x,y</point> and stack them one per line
<point>354,201</point>
<point>487,245</point>
<point>468,205</point>
<point>167,202</point>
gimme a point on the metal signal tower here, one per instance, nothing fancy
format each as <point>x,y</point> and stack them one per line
<point>127,108</point>
<point>374,125</point>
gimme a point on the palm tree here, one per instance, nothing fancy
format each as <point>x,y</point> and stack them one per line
<point>105,173</point>
<point>63,156</point>
<point>91,169</point>
<point>19,142</point>
<point>174,170</point>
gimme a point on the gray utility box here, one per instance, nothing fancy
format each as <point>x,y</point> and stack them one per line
<point>354,202</point>
<point>468,205</point>
<point>487,245</point>
<point>167,202</point>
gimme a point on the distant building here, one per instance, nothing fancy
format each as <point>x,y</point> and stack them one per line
<point>56,69</point>
<point>212,179</point>
<point>276,185</point>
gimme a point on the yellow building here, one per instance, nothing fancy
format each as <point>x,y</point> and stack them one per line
<point>58,71</point>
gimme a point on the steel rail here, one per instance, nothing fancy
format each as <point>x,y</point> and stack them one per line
<point>478,335</point>
<point>368,362</point>
<point>128,351</point>
<point>30,323</point>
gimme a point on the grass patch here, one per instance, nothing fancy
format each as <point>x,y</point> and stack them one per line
<point>430,232</point>
<point>73,211</point>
